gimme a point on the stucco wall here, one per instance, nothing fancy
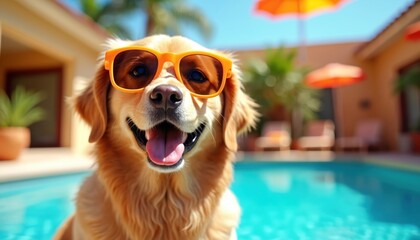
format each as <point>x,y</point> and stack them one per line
<point>385,66</point>
<point>50,45</point>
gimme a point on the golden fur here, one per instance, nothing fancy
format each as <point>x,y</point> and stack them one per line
<point>125,198</point>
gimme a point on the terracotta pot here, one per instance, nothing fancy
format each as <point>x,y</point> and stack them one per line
<point>415,141</point>
<point>12,141</point>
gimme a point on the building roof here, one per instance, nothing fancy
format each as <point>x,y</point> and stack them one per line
<point>83,19</point>
<point>81,27</point>
<point>390,33</point>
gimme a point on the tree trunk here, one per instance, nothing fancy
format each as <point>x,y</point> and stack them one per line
<point>150,21</point>
<point>297,124</point>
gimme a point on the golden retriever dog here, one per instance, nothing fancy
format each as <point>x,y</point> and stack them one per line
<point>164,113</point>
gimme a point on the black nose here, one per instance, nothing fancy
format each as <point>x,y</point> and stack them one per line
<point>166,96</point>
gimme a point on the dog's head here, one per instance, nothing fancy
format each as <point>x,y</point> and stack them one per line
<point>164,101</point>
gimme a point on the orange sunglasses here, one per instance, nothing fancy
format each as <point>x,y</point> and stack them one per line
<point>131,69</point>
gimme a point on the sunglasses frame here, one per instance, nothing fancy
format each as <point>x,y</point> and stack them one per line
<point>175,59</point>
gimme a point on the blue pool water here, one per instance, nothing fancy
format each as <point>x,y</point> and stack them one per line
<point>337,201</point>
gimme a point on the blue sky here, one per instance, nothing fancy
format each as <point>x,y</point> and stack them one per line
<point>236,26</point>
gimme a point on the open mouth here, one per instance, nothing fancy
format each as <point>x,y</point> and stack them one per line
<point>164,143</point>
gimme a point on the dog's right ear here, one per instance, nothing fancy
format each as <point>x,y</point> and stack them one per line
<point>91,104</point>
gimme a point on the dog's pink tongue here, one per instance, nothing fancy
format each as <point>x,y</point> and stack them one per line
<point>165,147</point>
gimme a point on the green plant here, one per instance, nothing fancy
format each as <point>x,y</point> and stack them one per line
<point>277,80</point>
<point>408,79</point>
<point>417,126</point>
<point>20,110</point>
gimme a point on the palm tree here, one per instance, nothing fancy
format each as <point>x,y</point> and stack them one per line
<point>168,16</point>
<point>108,15</point>
<point>162,16</point>
<point>277,80</point>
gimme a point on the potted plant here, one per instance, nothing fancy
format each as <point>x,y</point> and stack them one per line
<point>408,79</point>
<point>16,114</point>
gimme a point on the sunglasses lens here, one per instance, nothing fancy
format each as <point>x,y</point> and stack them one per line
<point>134,69</point>
<point>201,74</point>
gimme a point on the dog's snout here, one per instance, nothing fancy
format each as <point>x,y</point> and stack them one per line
<point>166,96</point>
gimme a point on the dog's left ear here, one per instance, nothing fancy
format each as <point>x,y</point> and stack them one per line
<point>239,112</point>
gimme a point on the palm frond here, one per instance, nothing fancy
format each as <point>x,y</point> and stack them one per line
<point>277,80</point>
<point>166,16</point>
<point>4,109</point>
<point>91,9</point>
<point>119,30</point>
<point>410,78</point>
<point>193,17</point>
<point>21,108</point>
<point>170,17</point>
<point>110,14</point>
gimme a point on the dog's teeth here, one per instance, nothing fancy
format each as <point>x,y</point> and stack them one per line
<point>184,136</point>
<point>147,135</point>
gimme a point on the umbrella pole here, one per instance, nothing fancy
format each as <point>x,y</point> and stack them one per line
<point>302,42</point>
<point>301,29</point>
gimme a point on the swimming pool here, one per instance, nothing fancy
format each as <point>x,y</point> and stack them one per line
<point>337,200</point>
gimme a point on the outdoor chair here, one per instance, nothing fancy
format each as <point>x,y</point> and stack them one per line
<point>275,135</point>
<point>367,134</point>
<point>318,135</point>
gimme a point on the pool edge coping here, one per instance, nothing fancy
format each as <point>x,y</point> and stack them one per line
<point>407,166</point>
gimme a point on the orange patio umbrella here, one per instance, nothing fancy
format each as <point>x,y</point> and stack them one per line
<point>301,8</point>
<point>412,32</point>
<point>277,9</point>
<point>334,75</point>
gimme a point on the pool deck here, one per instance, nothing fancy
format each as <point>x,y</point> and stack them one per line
<point>38,162</point>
